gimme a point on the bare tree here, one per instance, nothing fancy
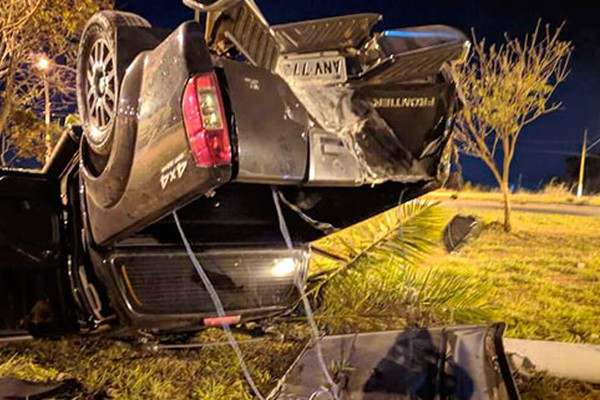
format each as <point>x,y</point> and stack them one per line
<point>505,88</point>
<point>29,31</point>
<point>15,17</point>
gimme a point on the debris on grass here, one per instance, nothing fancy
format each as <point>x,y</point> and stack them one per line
<point>460,230</point>
<point>543,387</point>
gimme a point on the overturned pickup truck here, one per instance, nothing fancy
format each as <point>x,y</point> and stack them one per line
<point>218,125</point>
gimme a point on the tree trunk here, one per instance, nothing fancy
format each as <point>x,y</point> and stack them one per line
<point>458,165</point>
<point>3,151</point>
<point>6,108</point>
<point>507,209</point>
<point>4,113</point>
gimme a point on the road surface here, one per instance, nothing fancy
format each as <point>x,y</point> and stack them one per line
<point>541,208</point>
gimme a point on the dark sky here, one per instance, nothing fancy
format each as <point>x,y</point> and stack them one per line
<point>545,143</point>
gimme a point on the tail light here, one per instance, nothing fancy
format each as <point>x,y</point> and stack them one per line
<point>205,121</point>
<point>219,321</point>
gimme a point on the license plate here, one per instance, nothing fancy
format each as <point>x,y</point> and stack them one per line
<point>324,69</point>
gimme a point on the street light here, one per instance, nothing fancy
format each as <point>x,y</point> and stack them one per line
<point>584,151</point>
<point>43,65</point>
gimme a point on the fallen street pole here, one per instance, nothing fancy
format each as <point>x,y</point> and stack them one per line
<point>562,360</point>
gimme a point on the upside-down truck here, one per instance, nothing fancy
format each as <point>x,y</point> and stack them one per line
<point>219,122</point>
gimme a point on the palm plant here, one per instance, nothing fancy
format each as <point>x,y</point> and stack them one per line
<point>369,276</point>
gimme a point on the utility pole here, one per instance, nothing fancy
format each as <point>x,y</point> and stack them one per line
<point>582,165</point>
<point>47,107</point>
<point>43,65</point>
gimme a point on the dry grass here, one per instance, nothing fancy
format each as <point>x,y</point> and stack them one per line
<point>542,387</point>
<point>551,194</point>
<point>128,370</point>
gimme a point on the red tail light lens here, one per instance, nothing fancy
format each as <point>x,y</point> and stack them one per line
<point>205,123</point>
<point>219,321</point>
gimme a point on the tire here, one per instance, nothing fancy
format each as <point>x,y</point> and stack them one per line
<point>98,80</point>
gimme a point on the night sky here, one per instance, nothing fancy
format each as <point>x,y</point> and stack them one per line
<point>545,143</point>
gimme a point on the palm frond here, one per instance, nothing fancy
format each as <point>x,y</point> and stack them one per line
<point>383,295</point>
<point>369,277</point>
<point>408,233</point>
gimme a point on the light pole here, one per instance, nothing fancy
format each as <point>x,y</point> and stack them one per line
<point>43,64</point>
<point>584,150</point>
<point>582,165</point>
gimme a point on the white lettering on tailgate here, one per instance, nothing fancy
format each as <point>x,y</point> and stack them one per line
<point>173,170</point>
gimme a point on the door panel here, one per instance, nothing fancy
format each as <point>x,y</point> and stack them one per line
<point>29,223</point>
<point>31,259</point>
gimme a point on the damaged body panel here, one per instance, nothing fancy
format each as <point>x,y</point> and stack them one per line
<point>198,134</point>
<point>464,362</point>
<point>325,34</point>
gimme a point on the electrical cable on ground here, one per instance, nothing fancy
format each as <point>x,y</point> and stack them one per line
<point>307,307</point>
<point>218,307</point>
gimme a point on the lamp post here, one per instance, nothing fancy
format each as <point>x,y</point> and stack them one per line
<point>582,165</point>
<point>584,151</point>
<point>44,64</point>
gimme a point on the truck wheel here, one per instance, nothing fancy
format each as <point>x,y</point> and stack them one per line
<point>98,77</point>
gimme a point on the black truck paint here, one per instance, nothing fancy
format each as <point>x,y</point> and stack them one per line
<point>89,242</point>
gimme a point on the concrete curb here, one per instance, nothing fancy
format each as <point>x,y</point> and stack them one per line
<point>563,360</point>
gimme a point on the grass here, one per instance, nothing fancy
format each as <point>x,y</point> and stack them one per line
<point>545,275</point>
<point>542,387</point>
<point>380,283</point>
<point>128,370</point>
<point>543,279</point>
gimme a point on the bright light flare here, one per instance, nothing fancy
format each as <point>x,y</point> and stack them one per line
<point>43,63</point>
<point>284,267</point>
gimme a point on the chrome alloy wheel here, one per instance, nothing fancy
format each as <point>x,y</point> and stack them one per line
<point>101,97</point>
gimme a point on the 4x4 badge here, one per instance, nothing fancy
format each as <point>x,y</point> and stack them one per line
<point>173,171</point>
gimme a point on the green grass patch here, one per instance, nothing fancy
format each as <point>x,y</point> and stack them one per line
<point>545,276</point>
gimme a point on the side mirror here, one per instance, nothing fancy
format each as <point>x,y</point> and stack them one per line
<point>210,5</point>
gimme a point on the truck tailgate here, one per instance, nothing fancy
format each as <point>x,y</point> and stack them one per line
<point>270,126</point>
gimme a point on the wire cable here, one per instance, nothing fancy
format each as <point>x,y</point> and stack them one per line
<point>324,227</point>
<point>218,307</point>
<point>306,303</point>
